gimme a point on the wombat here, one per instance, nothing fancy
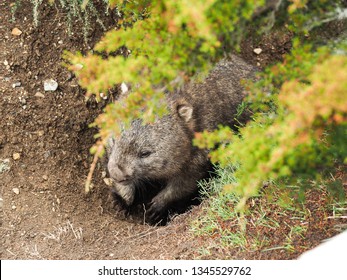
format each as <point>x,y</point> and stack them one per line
<point>159,158</point>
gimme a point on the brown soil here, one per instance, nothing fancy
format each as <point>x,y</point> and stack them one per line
<point>46,139</point>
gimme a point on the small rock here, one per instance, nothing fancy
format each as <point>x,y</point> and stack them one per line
<point>5,62</point>
<point>103,174</point>
<point>39,94</point>
<point>108,181</point>
<point>50,85</point>
<point>15,190</point>
<point>60,42</point>
<point>16,156</point>
<point>4,165</point>
<point>16,32</point>
<point>14,207</point>
<point>257,51</point>
<point>45,177</point>
<point>1,203</point>
<point>16,84</point>
<point>41,133</point>
<point>22,100</point>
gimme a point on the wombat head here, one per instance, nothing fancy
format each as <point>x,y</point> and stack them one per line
<point>151,152</point>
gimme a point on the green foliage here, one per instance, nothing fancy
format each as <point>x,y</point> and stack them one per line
<point>304,15</point>
<point>231,28</point>
<point>265,214</point>
<point>14,6</point>
<point>167,41</point>
<point>36,4</point>
<point>306,136</point>
<point>299,127</point>
<point>74,10</point>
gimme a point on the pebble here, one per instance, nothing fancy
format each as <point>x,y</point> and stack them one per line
<point>16,32</point>
<point>15,190</point>
<point>257,51</point>
<point>22,100</point>
<point>1,203</point>
<point>45,177</point>
<point>39,94</point>
<point>5,62</point>
<point>50,85</point>
<point>14,207</point>
<point>108,181</point>
<point>16,84</point>
<point>4,165</point>
<point>16,156</point>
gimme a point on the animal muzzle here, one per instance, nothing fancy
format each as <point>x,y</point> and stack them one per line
<point>120,175</point>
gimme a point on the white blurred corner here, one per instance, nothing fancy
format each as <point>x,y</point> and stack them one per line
<point>332,249</point>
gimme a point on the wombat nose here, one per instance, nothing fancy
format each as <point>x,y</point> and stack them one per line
<point>120,174</point>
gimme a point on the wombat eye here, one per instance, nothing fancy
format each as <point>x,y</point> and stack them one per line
<point>144,154</point>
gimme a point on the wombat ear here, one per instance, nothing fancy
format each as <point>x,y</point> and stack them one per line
<point>184,111</point>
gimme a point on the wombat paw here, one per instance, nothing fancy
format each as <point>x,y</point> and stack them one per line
<point>156,213</point>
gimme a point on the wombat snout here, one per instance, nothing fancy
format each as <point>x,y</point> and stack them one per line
<point>119,173</point>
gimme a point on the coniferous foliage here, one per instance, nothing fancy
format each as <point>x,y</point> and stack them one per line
<point>298,131</point>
